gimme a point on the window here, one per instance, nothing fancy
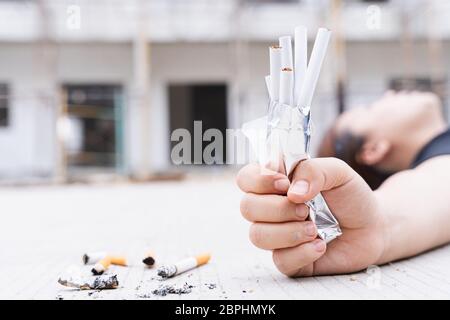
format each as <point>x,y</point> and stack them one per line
<point>4,105</point>
<point>94,122</point>
<point>199,102</point>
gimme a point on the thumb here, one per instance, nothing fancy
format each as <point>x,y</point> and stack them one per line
<point>347,194</point>
<point>315,175</point>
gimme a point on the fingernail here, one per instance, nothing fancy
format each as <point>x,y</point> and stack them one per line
<point>300,187</point>
<point>281,184</point>
<point>319,245</point>
<point>310,229</point>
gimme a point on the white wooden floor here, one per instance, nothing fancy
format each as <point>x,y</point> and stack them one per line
<point>45,230</point>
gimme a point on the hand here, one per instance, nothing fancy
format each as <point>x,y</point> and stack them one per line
<point>278,214</point>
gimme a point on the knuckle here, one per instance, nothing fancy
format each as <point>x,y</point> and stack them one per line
<point>305,165</point>
<point>297,234</point>
<point>239,177</point>
<point>338,162</point>
<point>256,234</point>
<point>301,211</point>
<point>245,207</point>
<point>280,263</point>
<point>281,209</point>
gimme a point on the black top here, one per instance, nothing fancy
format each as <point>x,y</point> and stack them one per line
<point>438,146</point>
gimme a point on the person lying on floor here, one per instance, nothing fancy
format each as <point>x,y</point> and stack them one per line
<point>401,145</point>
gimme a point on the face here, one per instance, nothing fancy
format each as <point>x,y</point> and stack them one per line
<point>390,117</point>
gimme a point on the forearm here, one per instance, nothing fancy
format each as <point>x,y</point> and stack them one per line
<point>415,205</point>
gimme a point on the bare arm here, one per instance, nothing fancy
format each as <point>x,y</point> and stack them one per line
<point>408,214</point>
<point>416,207</point>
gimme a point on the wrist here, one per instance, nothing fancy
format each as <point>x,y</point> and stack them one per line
<point>385,229</point>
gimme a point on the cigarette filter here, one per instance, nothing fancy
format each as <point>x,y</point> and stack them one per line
<point>183,266</point>
<point>91,283</point>
<point>286,131</point>
<point>149,259</point>
<point>101,266</point>
<point>118,260</point>
<point>93,257</point>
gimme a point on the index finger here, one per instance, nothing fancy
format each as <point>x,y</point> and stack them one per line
<point>256,179</point>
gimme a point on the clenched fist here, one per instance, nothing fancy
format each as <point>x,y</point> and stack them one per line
<point>276,207</point>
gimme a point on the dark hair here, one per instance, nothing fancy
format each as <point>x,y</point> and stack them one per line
<point>347,147</point>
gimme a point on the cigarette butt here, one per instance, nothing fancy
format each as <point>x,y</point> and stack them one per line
<point>202,259</point>
<point>93,257</point>
<point>101,266</point>
<point>118,260</point>
<point>91,283</point>
<point>183,266</point>
<point>149,259</point>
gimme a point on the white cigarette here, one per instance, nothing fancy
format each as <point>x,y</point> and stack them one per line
<point>314,66</point>
<point>183,266</point>
<point>267,79</point>
<point>275,67</point>
<point>301,58</point>
<point>286,82</point>
<point>286,52</point>
<point>93,257</point>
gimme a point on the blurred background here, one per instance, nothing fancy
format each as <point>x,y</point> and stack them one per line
<point>92,89</point>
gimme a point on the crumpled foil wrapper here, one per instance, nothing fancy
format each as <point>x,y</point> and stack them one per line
<point>282,140</point>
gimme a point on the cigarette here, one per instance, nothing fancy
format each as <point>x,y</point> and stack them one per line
<point>300,60</point>
<point>183,266</point>
<point>101,266</point>
<point>286,82</point>
<point>118,260</point>
<point>267,79</point>
<point>93,257</point>
<point>286,52</point>
<point>314,66</point>
<point>149,259</point>
<point>91,283</point>
<point>275,67</point>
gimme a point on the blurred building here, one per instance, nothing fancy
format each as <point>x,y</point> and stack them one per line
<point>98,85</point>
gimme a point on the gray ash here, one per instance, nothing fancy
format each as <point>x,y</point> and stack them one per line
<point>211,286</point>
<point>91,283</point>
<point>101,283</point>
<point>164,290</point>
<point>166,271</point>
